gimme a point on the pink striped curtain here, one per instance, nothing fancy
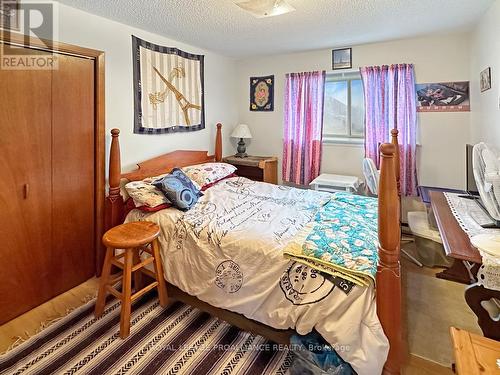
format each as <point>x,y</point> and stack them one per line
<point>390,102</point>
<point>304,94</point>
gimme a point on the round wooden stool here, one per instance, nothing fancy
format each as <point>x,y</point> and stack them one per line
<point>132,238</point>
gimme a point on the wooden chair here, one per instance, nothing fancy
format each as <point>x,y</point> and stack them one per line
<point>132,238</point>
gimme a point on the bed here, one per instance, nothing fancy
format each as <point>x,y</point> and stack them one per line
<point>223,256</point>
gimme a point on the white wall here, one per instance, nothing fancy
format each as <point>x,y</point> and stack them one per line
<point>485,52</point>
<point>437,58</point>
<point>87,30</point>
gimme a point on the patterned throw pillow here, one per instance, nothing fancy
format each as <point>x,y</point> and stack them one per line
<point>208,173</point>
<point>179,189</point>
<point>144,193</point>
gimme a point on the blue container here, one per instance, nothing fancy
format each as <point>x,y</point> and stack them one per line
<point>314,356</point>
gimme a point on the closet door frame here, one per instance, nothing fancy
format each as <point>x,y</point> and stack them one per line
<point>97,56</point>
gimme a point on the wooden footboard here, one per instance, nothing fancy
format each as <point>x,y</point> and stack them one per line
<point>388,281</point>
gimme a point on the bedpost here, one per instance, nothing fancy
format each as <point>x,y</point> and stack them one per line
<point>394,141</point>
<point>218,143</point>
<point>114,201</point>
<point>388,286</point>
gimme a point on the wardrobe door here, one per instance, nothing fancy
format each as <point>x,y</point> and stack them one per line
<point>73,158</point>
<point>25,190</point>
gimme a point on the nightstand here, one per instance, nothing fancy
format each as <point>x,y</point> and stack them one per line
<point>257,168</point>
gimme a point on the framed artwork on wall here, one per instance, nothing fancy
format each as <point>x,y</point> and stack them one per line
<point>262,94</point>
<point>342,58</point>
<point>485,79</point>
<point>443,97</point>
<point>9,14</point>
<point>168,89</point>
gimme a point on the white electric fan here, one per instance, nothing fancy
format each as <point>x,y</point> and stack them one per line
<point>371,174</point>
<point>486,166</point>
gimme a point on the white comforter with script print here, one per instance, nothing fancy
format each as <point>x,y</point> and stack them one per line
<point>227,251</point>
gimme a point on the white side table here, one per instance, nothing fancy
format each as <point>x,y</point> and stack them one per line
<point>335,182</point>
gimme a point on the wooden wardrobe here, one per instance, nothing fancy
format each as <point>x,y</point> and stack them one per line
<point>51,175</point>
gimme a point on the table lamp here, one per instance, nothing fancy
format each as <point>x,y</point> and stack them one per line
<point>241,131</point>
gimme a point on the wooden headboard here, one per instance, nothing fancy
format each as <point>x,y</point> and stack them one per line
<point>166,162</point>
<point>115,206</point>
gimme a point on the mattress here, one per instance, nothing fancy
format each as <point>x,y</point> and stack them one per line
<point>227,251</point>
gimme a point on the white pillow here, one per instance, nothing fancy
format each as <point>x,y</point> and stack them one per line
<point>208,173</point>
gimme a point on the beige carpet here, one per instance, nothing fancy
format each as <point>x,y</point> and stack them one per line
<point>432,306</point>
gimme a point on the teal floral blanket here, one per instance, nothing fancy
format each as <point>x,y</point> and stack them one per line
<point>342,240</point>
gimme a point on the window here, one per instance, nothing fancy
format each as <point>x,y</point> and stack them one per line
<point>344,108</point>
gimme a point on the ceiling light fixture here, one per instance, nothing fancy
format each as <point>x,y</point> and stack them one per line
<point>265,8</point>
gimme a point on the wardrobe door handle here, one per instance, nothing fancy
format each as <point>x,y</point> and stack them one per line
<point>26,190</point>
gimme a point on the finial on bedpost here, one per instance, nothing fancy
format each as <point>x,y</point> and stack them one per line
<point>388,272</point>
<point>394,141</point>
<point>218,143</point>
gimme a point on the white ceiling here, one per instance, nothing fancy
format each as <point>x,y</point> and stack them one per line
<point>223,27</point>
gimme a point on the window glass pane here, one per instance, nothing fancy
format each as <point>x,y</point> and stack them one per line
<point>335,109</point>
<point>357,109</point>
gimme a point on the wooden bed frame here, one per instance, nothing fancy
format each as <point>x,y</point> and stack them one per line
<point>388,285</point>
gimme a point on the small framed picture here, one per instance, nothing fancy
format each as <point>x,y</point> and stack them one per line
<point>342,58</point>
<point>9,14</point>
<point>485,79</point>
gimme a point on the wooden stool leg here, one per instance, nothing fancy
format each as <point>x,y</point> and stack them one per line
<point>106,271</point>
<point>126,294</point>
<point>138,283</point>
<point>162,289</point>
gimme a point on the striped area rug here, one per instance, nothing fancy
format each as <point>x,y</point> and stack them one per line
<point>176,340</point>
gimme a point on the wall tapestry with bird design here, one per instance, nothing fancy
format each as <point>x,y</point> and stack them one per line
<point>168,89</point>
